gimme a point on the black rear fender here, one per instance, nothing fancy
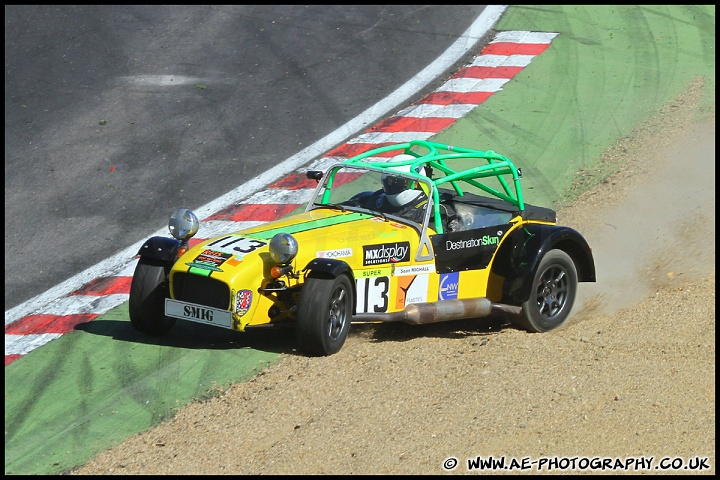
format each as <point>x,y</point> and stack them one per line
<point>520,253</point>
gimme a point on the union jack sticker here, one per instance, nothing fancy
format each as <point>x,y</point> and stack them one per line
<point>243,299</point>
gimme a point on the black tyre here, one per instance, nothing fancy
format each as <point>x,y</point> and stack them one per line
<point>324,314</point>
<point>148,292</point>
<point>552,294</point>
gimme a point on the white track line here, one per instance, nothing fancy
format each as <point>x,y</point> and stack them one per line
<point>467,41</point>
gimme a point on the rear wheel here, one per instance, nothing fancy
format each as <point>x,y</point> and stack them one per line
<point>148,292</point>
<point>552,294</point>
<point>324,314</point>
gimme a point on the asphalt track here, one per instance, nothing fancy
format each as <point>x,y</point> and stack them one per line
<point>103,286</point>
<point>115,115</point>
<point>83,391</point>
<point>503,58</point>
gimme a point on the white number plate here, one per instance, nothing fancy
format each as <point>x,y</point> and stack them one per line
<point>198,313</point>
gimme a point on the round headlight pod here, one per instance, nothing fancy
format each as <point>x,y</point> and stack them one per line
<point>183,224</point>
<point>283,248</point>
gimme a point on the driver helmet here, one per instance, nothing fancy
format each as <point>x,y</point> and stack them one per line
<point>396,188</point>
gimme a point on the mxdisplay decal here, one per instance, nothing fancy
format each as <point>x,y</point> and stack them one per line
<point>386,253</point>
<point>372,294</point>
<point>466,250</point>
<point>411,289</point>
<point>340,253</point>
<point>448,288</point>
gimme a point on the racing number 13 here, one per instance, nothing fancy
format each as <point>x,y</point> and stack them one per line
<point>240,244</point>
<point>372,294</point>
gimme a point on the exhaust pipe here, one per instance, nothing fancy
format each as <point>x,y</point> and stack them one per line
<point>422,313</point>
<point>440,311</point>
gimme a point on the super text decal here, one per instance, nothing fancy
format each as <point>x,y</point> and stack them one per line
<point>386,253</point>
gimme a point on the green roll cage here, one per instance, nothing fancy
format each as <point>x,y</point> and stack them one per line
<point>436,156</point>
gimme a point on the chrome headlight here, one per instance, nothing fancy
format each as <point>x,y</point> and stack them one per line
<point>183,224</point>
<point>283,248</point>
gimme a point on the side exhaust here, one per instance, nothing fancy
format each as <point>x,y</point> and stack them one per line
<point>440,311</point>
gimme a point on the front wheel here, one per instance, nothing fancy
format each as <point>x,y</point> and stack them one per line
<point>552,295</point>
<point>148,291</point>
<point>324,314</point>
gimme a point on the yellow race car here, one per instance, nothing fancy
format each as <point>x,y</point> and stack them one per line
<point>414,232</point>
